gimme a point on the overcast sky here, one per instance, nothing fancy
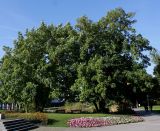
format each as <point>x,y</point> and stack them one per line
<point>17,15</point>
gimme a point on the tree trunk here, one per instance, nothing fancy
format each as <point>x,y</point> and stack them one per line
<point>102,105</point>
<point>96,106</point>
<point>26,108</point>
<point>41,98</point>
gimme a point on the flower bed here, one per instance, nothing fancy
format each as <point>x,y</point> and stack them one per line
<point>103,121</point>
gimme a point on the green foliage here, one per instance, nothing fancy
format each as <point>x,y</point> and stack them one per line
<point>91,61</point>
<point>110,51</point>
<point>83,107</point>
<point>34,117</point>
<point>28,95</point>
<point>41,64</point>
<point>156,80</point>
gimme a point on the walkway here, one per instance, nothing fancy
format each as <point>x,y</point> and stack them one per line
<point>152,123</point>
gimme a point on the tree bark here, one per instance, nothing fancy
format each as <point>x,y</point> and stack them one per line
<point>102,106</point>
<point>96,106</point>
<point>41,98</point>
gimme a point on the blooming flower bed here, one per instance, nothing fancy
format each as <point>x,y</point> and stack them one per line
<point>103,121</point>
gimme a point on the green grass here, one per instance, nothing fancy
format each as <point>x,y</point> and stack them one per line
<point>60,120</point>
<point>1,111</point>
<point>156,108</point>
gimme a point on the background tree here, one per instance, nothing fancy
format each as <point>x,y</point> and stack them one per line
<point>27,66</point>
<point>41,63</point>
<point>108,50</point>
<point>156,80</point>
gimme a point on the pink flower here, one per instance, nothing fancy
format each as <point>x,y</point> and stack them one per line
<point>102,121</point>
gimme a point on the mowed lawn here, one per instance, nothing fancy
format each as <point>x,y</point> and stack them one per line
<point>60,120</point>
<point>156,108</point>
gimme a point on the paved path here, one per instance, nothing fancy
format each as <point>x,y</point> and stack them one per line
<point>151,123</point>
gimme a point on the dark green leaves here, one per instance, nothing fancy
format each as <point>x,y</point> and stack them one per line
<point>91,61</point>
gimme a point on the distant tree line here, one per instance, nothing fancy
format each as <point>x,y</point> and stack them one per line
<point>90,61</point>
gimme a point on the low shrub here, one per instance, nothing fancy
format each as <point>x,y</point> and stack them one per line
<point>90,109</point>
<point>36,117</point>
<point>83,107</point>
<point>113,108</point>
<point>72,106</point>
<point>120,108</point>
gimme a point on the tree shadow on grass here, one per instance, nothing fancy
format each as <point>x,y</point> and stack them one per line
<point>52,121</point>
<point>144,113</point>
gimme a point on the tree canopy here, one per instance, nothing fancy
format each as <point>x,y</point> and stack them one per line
<point>91,61</point>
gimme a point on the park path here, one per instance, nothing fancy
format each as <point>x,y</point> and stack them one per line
<point>151,123</point>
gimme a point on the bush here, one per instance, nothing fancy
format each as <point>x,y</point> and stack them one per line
<point>90,109</point>
<point>113,108</point>
<point>33,117</point>
<point>72,106</point>
<point>84,107</point>
<point>120,108</point>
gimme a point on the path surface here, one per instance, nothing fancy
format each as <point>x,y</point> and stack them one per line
<point>151,123</point>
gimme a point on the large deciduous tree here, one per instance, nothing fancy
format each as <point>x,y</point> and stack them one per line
<point>109,50</point>
<point>41,64</point>
<point>156,80</point>
<point>93,61</point>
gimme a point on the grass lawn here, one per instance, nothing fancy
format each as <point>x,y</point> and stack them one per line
<point>60,120</point>
<point>155,108</point>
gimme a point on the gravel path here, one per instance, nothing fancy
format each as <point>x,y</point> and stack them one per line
<point>151,123</point>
